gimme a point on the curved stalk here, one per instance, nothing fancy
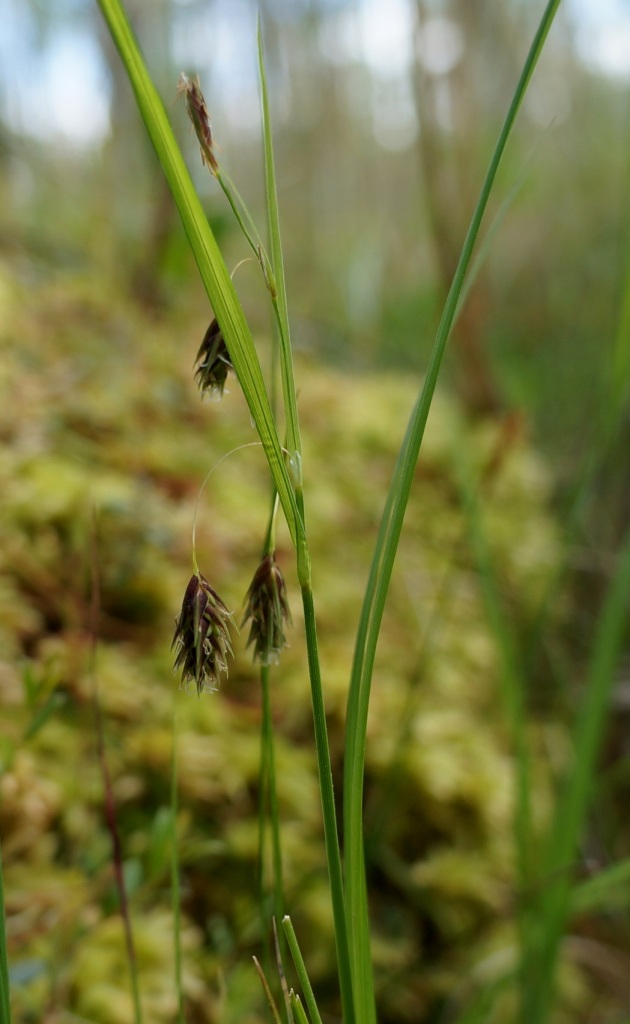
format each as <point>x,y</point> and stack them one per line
<point>382,566</point>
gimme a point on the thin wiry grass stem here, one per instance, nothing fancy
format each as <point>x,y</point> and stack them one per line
<point>383,563</point>
<point>272,794</point>
<point>214,273</point>
<point>268,810</point>
<point>331,835</point>
<point>300,967</point>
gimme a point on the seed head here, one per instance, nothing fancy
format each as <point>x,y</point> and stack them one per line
<point>268,610</point>
<point>198,114</point>
<point>202,637</point>
<point>213,362</point>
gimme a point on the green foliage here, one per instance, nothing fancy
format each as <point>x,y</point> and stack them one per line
<point>461,806</point>
<point>437,736</point>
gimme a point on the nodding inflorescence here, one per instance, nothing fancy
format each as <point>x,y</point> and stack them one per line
<point>213,362</point>
<point>268,611</point>
<point>202,636</point>
<point>198,114</point>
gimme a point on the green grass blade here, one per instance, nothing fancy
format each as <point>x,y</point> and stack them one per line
<point>212,268</point>
<point>609,888</point>
<point>382,565</point>
<point>574,800</point>
<point>298,1009</point>
<point>277,263</point>
<point>268,786</point>
<point>300,967</point>
<point>231,318</point>
<point>331,834</point>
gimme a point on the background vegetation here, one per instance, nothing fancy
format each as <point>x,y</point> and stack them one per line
<point>104,445</point>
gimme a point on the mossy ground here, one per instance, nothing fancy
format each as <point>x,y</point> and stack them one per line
<point>104,444</point>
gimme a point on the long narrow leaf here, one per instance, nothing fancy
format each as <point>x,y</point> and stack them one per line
<point>277,263</point>
<point>300,967</point>
<point>574,801</point>
<point>382,565</point>
<point>609,888</point>
<point>331,833</point>
<point>271,792</point>
<point>212,268</point>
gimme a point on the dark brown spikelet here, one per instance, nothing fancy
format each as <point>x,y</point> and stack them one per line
<point>213,362</point>
<point>268,610</point>
<point>202,636</point>
<point>198,114</point>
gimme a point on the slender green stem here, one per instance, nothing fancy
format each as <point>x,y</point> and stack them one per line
<point>5,996</point>
<point>603,889</point>
<point>175,890</point>
<point>272,794</point>
<point>241,213</point>
<point>300,967</point>
<point>274,279</point>
<point>578,790</point>
<point>262,829</point>
<point>298,1009</point>
<point>331,836</point>
<point>281,971</point>
<point>277,261</point>
<point>270,536</point>
<point>382,565</point>
<point>214,273</point>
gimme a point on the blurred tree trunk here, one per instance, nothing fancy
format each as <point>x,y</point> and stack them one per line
<point>451,111</point>
<point>145,214</point>
<point>328,178</point>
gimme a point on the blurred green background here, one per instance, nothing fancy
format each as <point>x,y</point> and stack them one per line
<point>385,116</point>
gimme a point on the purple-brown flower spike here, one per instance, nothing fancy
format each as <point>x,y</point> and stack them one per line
<point>198,114</point>
<point>213,362</point>
<point>202,636</point>
<point>268,610</point>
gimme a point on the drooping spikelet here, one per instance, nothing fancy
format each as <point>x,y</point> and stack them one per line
<point>213,362</point>
<point>198,114</point>
<point>268,610</point>
<point>202,637</point>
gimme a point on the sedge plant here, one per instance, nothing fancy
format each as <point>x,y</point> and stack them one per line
<point>203,637</point>
<point>547,891</point>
